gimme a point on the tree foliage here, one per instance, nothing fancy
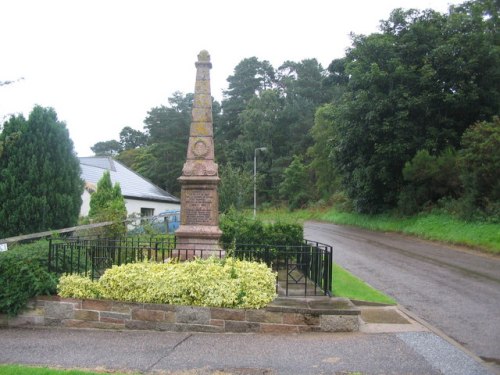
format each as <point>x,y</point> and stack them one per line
<point>417,85</point>
<point>132,138</point>
<point>107,204</point>
<point>107,148</point>
<point>24,275</point>
<point>480,165</point>
<point>294,188</point>
<point>428,179</point>
<point>235,188</point>
<point>40,184</point>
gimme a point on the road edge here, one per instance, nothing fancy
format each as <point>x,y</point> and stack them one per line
<point>448,339</point>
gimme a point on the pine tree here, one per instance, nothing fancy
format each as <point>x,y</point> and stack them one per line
<point>40,184</point>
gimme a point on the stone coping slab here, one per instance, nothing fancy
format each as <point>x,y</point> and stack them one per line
<point>314,305</point>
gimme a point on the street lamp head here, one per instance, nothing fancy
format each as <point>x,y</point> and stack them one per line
<point>263,148</point>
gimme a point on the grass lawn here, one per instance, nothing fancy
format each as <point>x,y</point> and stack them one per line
<point>28,370</point>
<point>347,285</point>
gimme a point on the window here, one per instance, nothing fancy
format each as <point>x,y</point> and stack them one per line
<point>146,212</point>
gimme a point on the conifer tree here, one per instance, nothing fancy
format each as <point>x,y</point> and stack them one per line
<point>108,204</point>
<point>40,184</point>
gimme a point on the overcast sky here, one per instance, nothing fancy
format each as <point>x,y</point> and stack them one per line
<point>103,64</point>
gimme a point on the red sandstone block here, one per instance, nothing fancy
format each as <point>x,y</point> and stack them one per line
<point>240,327</point>
<point>140,324</point>
<point>227,314</point>
<point>170,317</point>
<point>278,328</point>
<point>125,307</point>
<point>95,304</point>
<point>263,316</point>
<point>148,315</point>
<point>88,315</point>
<point>106,319</point>
<point>217,322</point>
<point>71,323</point>
<point>159,306</point>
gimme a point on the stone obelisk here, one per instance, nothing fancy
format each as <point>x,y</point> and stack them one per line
<point>199,233</point>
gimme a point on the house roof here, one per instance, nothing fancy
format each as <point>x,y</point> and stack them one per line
<point>131,183</point>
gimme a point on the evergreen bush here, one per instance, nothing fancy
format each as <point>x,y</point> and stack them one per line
<point>240,229</point>
<point>23,275</point>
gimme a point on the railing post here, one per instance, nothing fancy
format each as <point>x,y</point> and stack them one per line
<point>49,260</point>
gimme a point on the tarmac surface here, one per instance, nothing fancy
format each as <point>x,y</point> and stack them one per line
<point>391,341</point>
<point>454,288</point>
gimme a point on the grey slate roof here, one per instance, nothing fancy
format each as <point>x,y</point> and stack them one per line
<point>132,184</point>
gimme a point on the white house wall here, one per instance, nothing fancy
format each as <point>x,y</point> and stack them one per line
<point>133,205</point>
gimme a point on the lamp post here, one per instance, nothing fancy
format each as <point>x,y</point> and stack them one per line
<point>255,179</point>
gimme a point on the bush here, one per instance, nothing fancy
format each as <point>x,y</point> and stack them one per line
<point>23,275</point>
<point>479,160</point>
<point>210,282</point>
<point>77,286</point>
<point>428,179</point>
<point>240,229</point>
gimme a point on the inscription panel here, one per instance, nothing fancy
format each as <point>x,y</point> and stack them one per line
<point>198,207</point>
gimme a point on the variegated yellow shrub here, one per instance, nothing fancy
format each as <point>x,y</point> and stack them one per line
<point>76,286</point>
<point>208,282</point>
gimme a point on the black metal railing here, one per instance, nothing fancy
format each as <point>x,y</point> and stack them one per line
<point>304,269</point>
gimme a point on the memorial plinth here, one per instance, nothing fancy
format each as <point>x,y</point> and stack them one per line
<point>198,234</point>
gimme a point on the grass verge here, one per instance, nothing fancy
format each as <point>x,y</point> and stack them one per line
<point>431,226</point>
<point>347,285</point>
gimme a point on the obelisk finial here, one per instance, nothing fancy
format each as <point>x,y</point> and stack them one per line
<point>199,232</point>
<point>200,153</point>
<point>204,56</point>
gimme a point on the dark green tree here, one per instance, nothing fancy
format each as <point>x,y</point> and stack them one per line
<point>417,85</point>
<point>295,186</point>
<point>40,184</point>
<point>107,148</point>
<point>131,138</point>
<point>235,188</point>
<point>301,85</point>
<point>107,204</point>
<point>250,78</point>
<point>429,178</point>
<point>325,176</point>
<point>479,162</point>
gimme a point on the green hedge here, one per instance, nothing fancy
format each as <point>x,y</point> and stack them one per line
<point>23,275</point>
<point>241,229</point>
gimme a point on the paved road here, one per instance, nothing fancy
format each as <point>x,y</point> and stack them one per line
<point>454,289</point>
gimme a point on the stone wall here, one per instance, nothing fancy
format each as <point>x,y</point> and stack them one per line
<point>284,315</point>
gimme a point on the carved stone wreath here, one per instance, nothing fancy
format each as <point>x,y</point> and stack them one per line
<point>200,149</point>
